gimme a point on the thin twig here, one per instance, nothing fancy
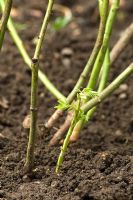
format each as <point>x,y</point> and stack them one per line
<point>52,120</point>
<point>58,135</point>
<point>121,44</point>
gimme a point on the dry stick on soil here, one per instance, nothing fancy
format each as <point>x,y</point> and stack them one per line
<point>94,102</point>
<point>62,129</point>
<point>4,20</point>
<point>115,53</point>
<point>88,66</point>
<point>124,40</point>
<point>34,86</point>
<point>17,40</point>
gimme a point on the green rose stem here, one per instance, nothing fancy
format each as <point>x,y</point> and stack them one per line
<point>107,34</point>
<point>116,51</point>
<point>4,20</point>
<point>94,76</point>
<point>58,134</point>
<point>99,61</point>
<point>66,141</point>
<point>65,144</point>
<point>75,133</point>
<point>102,85</point>
<point>88,66</point>
<point>34,86</point>
<point>17,40</point>
<point>104,49</point>
<point>124,40</point>
<point>91,104</point>
<point>33,118</point>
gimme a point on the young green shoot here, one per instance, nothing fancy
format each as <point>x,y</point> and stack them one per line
<point>81,111</point>
<point>77,114</point>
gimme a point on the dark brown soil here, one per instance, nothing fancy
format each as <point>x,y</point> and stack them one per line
<point>99,166</point>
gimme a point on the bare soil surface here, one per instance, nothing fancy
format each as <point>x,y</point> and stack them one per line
<point>99,166</point>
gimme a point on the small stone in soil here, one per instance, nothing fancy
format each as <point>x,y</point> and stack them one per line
<point>66,62</point>
<point>123,96</point>
<point>102,116</point>
<point>123,87</point>
<point>2,136</point>
<point>26,122</point>
<point>56,55</point>
<point>118,133</point>
<point>67,52</point>
<point>4,103</point>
